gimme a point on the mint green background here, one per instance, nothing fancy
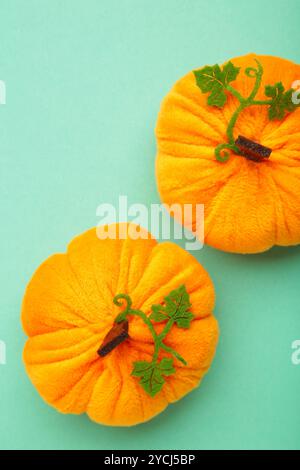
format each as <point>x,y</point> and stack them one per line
<point>84,83</point>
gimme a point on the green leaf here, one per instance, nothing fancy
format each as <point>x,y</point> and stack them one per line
<point>177,305</point>
<point>158,313</point>
<point>141,368</point>
<point>217,98</point>
<point>214,80</point>
<point>230,72</point>
<point>184,321</point>
<point>166,366</point>
<point>151,375</point>
<point>209,78</point>
<point>281,101</point>
<point>178,300</point>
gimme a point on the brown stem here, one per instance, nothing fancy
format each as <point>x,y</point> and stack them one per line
<point>252,150</point>
<point>116,335</point>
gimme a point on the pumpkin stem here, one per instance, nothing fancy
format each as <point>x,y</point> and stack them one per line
<point>116,335</point>
<point>252,150</point>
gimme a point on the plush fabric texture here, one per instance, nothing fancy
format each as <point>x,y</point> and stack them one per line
<point>249,207</point>
<point>68,310</point>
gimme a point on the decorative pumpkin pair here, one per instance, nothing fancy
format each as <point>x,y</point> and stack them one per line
<point>119,328</point>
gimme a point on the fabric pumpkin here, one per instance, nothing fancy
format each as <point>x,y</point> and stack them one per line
<point>68,309</point>
<point>249,206</point>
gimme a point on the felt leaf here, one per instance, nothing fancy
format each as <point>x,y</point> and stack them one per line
<point>214,80</point>
<point>158,313</point>
<point>217,98</point>
<point>151,374</point>
<point>141,368</point>
<point>209,78</point>
<point>177,304</point>
<point>281,101</point>
<point>166,366</point>
<point>230,72</point>
<point>184,321</point>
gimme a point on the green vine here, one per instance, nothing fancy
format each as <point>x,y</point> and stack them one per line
<point>174,311</point>
<point>217,82</point>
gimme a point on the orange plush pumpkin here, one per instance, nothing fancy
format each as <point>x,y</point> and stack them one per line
<point>74,356</point>
<point>240,159</point>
